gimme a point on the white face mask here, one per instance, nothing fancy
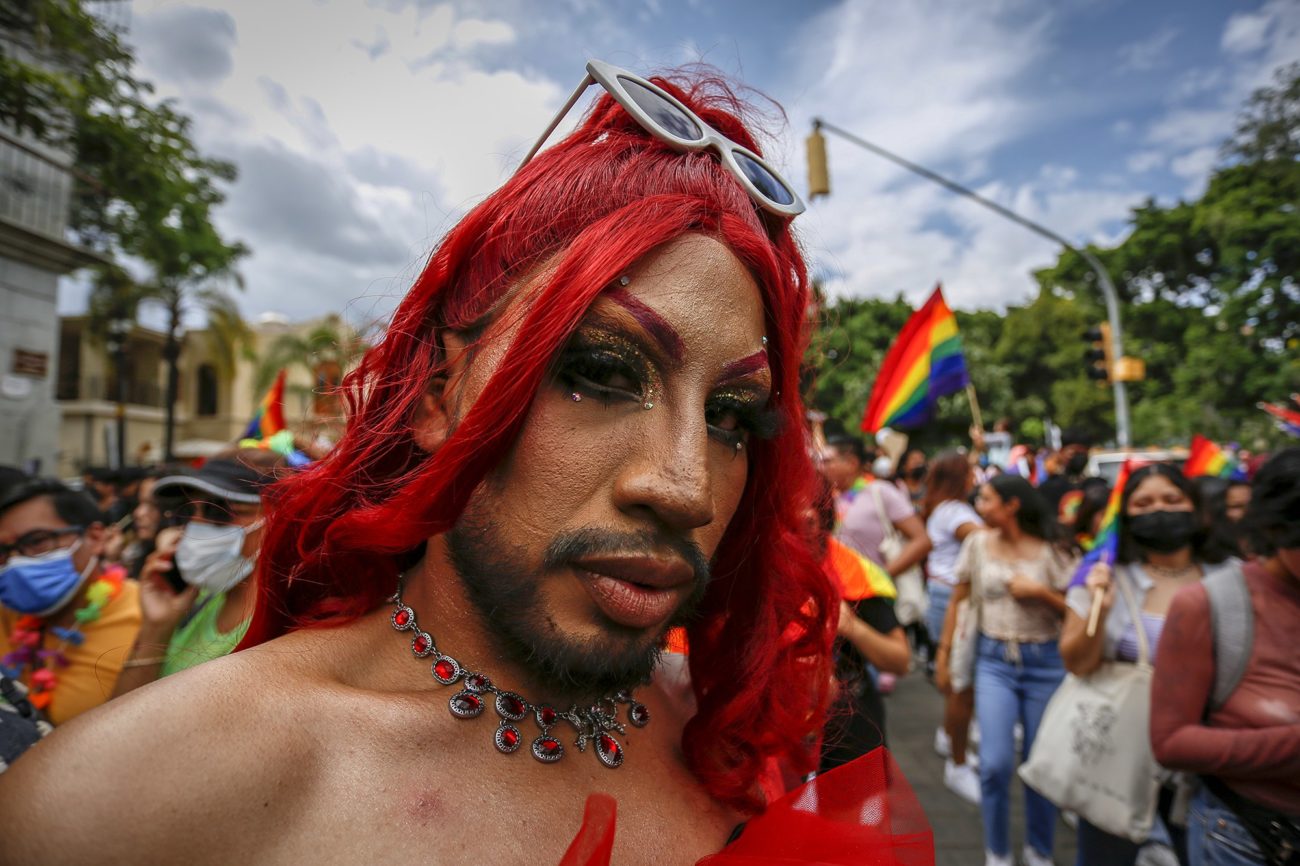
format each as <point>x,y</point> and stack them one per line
<point>210,556</point>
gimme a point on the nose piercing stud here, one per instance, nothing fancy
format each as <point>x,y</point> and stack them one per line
<point>740,445</point>
<point>648,406</point>
<point>624,280</point>
<point>576,397</point>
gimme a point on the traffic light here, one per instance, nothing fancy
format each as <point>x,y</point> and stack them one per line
<point>819,178</point>
<point>1098,355</point>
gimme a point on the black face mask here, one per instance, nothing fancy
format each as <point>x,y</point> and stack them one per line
<point>1163,531</point>
<point>1076,464</point>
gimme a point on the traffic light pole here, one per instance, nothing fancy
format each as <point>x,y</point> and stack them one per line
<point>1109,296</point>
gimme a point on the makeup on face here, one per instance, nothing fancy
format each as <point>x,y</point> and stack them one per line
<point>612,363</point>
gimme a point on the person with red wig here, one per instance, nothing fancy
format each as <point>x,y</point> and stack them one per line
<point>581,428</point>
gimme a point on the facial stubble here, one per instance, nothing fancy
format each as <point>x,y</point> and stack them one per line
<point>506,592</point>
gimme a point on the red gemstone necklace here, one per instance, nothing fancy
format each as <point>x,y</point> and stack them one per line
<point>595,724</point>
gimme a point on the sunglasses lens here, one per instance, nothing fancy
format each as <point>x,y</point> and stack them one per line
<point>768,184</point>
<point>667,116</point>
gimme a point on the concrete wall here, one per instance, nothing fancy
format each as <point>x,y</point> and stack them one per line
<point>29,417</point>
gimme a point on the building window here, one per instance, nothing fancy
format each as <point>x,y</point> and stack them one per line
<point>206,388</point>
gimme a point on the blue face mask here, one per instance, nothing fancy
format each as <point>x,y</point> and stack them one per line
<point>40,585</point>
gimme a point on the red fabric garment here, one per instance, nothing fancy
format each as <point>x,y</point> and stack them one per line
<point>1252,742</point>
<point>860,814</point>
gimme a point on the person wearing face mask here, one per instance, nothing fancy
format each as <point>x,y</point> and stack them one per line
<point>214,555</point>
<point>910,477</point>
<point>1242,739</point>
<point>1162,549</point>
<point>66,619</point>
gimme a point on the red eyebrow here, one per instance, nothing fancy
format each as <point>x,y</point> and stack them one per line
<point>745,366</point>
<point>653,323</point>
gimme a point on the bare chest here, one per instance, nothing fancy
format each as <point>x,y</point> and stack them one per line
<point>373,802</point>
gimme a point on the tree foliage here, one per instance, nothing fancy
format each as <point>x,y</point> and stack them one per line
<point>144,195</point>
<point>1210,300</point>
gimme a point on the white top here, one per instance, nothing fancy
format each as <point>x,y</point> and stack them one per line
<point>942,526</point>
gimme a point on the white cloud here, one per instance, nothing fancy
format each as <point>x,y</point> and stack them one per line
<point>952,90</point>
<point>1246,32</point>
<point>356,154</point>
<point>1148,53</point>
<point>1146,160</point>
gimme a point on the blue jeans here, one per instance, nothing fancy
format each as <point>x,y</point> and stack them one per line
<point>1215,837</point>
<point>940,595</point>
<point>1007,692</point>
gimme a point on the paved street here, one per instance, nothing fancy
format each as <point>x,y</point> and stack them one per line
<point>914,710</point>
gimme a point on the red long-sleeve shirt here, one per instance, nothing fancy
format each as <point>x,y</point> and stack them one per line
<point>1251,743</point>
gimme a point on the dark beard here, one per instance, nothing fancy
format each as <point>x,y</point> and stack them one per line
<point>501,585</point>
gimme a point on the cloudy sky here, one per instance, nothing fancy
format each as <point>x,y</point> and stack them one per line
<point>363,130</point>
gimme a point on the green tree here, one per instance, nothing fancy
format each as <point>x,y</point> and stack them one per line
<point>1211,287</point>
<point>144,194</point>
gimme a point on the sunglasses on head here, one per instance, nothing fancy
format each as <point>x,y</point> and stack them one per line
<point>668,120</point>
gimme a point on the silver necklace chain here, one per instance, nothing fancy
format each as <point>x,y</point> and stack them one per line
<point>595,724</point>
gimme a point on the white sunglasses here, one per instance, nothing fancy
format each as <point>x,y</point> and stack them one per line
<point>668,120</point>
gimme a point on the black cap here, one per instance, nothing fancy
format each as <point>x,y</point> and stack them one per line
<point>227,479</point>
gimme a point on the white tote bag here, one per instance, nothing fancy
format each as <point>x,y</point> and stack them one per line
<point>966,634</point>
<point>911,604</point>
<point>1093,750</point>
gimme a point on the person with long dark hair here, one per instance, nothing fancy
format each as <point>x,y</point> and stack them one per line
<point>1225,698</point>
<point>1019,569</point>
<point>1162,548</point>
<point>949,520</point>
<point>581,428</point>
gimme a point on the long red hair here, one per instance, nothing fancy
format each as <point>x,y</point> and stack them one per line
<point>588,207</point>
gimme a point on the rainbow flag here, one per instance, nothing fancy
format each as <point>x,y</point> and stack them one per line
<point>1106,545</point>
<point>925,363</point>
<point>1206,458</point>
<point>269,417</point>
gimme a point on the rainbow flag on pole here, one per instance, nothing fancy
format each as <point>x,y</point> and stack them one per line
<point>925,363</point>
<point>1206,458</point>
<point>269,417</point>
<point>1106,546</point>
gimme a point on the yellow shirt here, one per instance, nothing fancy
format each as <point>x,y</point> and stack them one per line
<point>93,667</point>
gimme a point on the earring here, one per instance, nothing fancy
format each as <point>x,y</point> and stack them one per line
<point>576,397</point>
<point>624,280</point>
<point>739,446</point>
<point>765,342</point>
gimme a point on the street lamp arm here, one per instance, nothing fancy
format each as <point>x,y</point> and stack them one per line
<point>1109,295</point>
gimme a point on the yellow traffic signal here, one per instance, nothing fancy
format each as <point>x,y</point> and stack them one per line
<point>819,179</point>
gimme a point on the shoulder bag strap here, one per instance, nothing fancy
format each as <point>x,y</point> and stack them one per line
<point>890,530</point>
<point>1139,627</point>
<point>1232,621</point>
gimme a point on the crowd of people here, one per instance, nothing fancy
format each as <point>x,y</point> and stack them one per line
<point>1006,621</point>
<point>577,498</point>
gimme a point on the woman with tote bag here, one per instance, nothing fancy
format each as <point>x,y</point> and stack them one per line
<point>1159,553</point>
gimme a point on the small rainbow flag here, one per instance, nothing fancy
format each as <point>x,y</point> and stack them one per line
<point>1106,545</point>
<point>925,363</point>
<point>269,417</point>
<point>1206,458</point>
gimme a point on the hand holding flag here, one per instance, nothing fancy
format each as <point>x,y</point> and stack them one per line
<point>1106,546</point>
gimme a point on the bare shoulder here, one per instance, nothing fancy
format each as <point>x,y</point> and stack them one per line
<point>146,770</point>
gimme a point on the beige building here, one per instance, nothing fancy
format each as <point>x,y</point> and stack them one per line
<point>213,407</point>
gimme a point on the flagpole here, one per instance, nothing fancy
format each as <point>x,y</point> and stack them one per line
<point>974,406</point>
